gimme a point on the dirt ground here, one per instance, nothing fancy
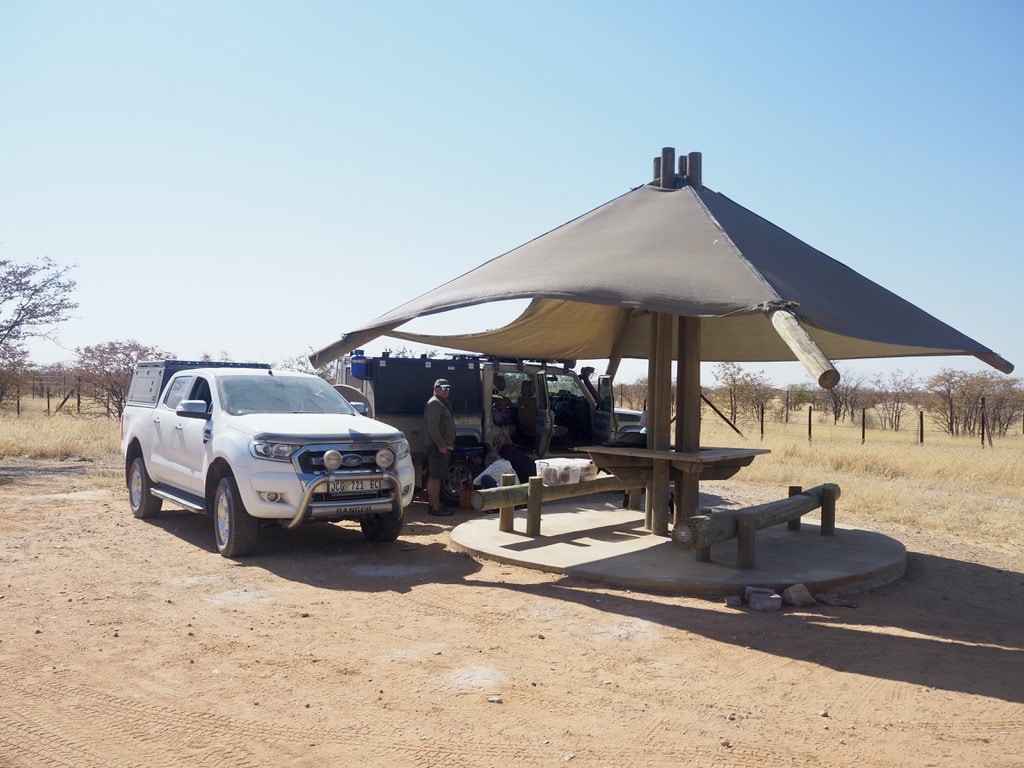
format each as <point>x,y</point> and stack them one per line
<point>132,643</point>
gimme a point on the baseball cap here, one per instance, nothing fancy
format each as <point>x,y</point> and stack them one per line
<point>442,383</point>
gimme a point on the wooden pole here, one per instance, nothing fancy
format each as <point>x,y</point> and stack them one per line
<point>668,167</point>
<point>694,171</point>
<point>507,511</point>
<point>536,486</point>
<point>653,393</point>
<point>829,494</point>
<point>521,493</point>
<point>661,416</point>
<point>795,490</point>
<point>804,347</point>
<point>983,424</point>
<point>995,361</point>
<point>713,526</point>
<point>688,399</point>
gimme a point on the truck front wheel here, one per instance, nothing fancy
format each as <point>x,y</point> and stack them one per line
<point>143,503</point>
<point>382,527</point>
<point>234,529</point>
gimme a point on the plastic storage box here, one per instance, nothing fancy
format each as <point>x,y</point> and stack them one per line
<point>565,471</point>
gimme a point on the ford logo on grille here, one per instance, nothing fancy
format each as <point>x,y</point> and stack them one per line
<point>351,460</point>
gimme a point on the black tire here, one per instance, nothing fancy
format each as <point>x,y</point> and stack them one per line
<point>234,529</point>
<point>459,471</point>
<point>143,503</point>
<point>382,527</point>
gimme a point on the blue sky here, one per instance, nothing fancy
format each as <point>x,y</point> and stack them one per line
<point>252,179</point>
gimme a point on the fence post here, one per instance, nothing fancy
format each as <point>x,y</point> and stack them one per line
<point>920,427</point>
<point>863,424</point>
<point>809,409</point>
<point>983,425</point>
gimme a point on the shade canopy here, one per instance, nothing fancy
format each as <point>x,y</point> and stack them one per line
<point>595,281</point>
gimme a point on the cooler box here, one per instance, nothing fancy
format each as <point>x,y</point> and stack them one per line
<point>564,471</point>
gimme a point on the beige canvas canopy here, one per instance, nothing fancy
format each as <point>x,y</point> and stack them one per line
<point>595,281</point>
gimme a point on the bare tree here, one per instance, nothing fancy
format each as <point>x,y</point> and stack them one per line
<point>13,369</point>
<point>106,371</point>
<point>844,399</point>
<point>894,394</point>
<point>730,378</point>
<point>33,298</point>
<point>955,399</point>
<point>1004,404</point>
<point>743,390</point>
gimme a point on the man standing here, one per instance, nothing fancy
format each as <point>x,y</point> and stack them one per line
<point>439,442</point>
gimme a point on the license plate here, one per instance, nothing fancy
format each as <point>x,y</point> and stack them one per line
<point>348,486</point>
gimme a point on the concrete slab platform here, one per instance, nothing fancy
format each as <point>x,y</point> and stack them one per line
<point>606,543</point>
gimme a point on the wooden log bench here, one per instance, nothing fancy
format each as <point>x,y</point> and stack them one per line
<point>511,494</point>
<point>714,525</point>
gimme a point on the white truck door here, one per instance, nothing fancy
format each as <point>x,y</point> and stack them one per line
<point>190,441</point>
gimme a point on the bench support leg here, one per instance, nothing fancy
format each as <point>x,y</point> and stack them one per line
<point>746,528</point>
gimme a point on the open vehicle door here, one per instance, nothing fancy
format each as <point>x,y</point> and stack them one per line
<point>604,412</point>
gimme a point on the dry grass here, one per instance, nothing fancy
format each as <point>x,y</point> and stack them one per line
<point>950,486</point>
<point>89,438</point>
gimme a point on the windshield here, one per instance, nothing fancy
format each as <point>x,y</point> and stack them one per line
<point>280,394</point>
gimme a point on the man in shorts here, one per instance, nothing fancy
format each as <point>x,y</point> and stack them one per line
<point>438,442</point>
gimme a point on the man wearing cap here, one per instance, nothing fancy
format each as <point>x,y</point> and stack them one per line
<point>439,442</point>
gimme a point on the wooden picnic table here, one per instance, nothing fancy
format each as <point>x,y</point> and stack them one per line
<point>638,463</point>
<point>660,468</point>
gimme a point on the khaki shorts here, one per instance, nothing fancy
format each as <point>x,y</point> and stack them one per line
<point>437,463</point>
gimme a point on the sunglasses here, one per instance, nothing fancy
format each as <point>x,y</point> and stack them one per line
<point>446,389</point>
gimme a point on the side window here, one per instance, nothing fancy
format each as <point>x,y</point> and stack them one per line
<point>560,383</point>
<point>177,391</point>
<point>201,391</point>
<point>513,385</point>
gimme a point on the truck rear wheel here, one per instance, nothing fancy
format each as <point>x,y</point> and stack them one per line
<point>143,503</point>
<point>382,527</point>
<point>459,471</point>
<point>234,529</point>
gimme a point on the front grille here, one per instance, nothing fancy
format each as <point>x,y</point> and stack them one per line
<point>311,460</point>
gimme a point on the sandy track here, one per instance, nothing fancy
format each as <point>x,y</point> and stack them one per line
<point>131,643</point>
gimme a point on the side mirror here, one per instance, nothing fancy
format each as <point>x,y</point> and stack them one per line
<point>193,409</point>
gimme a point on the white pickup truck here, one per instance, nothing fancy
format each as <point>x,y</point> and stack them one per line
<point>251,446</point>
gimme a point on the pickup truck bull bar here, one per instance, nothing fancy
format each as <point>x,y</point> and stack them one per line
<point>346,507</point>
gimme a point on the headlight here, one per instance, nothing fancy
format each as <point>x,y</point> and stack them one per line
<point>263,449</point>
<point>401,449</point>
<point>385,458</point>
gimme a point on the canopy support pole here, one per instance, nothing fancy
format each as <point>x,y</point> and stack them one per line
<point>1004,366</point>
<point>688,397</point>
<point>658,417</point>
<point>804,347</point>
